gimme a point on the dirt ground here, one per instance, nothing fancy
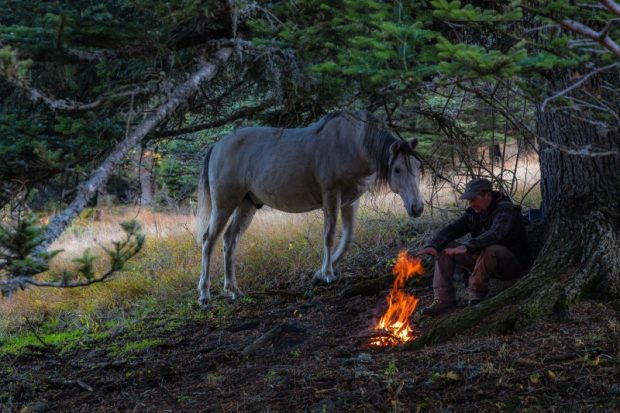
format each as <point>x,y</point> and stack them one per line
<point>318,360</point>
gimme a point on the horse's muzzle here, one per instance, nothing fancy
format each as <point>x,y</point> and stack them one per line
<point>415,212</point>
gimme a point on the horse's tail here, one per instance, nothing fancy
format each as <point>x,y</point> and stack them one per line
<point>203,212</point>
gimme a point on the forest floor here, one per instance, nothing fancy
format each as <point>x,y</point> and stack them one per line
<point>319,360</point>
<point>318,364</point>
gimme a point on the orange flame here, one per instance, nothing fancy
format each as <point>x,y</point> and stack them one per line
<point>401,305</point>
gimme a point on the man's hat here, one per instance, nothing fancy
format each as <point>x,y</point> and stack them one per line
<point>475,186</point>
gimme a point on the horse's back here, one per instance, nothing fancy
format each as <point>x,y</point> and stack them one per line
<point>287,169</point>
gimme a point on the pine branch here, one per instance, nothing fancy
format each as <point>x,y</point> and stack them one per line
<point>69,105</point>
<point>122,252</point>
<point>243,113</point>
<point>22,281</point>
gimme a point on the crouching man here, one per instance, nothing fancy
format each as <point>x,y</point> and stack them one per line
<point>498,246</point>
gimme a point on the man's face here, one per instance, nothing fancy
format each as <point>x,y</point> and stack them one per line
<point>480,203</point>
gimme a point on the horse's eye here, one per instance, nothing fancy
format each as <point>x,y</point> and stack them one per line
<point>397,170</point>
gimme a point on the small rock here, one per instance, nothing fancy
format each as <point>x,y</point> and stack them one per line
<point>614,389</point>
<point>364,358</point>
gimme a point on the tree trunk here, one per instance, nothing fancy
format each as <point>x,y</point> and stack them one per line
<point>581,255</point>
<point>145,168</point>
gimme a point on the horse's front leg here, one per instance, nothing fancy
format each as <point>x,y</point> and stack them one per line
<point>348,213</point>
<point>331,205</point>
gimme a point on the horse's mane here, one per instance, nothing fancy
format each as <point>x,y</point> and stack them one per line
<point>377,140</point>
<point>321,123</point>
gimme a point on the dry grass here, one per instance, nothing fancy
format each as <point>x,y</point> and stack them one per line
<point>103,227</point>
<point>277,248</point>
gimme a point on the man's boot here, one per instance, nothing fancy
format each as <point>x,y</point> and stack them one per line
<point>438,307</point>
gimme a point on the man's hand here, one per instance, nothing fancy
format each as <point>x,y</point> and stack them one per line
<point>461,249</point>
<point>426,251</point>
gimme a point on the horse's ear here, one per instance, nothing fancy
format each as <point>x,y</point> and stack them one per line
<point>395,148</point>
<point>413,143</point>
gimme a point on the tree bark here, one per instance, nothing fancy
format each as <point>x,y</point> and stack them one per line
<point>580,257</point>
<point>87,189</point>
<point>145,163</point>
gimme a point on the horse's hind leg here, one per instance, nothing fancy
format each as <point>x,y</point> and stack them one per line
<point>348,213</point>
<point>217,221</point>
<point>241,220</point>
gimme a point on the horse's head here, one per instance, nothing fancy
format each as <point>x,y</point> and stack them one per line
<point>405,174</point>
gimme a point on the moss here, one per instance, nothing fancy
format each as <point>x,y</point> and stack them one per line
<point>62,341</point>
<point>136,346</point>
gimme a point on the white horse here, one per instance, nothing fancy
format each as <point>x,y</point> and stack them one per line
<point>328,165</point>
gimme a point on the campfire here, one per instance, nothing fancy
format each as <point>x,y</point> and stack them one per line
<point>393,327</point>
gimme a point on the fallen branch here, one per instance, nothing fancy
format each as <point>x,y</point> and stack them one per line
<point>36,335</point>
<point>370,334</point>
<point>376,285</point>
<point>263,340</point>
<point>77,382</point>
<point>89,188</point>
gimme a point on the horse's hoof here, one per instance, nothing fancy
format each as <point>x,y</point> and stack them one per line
<point>319,277</point>
<point>204,302</point>
<point>234,294</point>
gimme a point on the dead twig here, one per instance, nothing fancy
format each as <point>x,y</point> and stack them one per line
<point>278,291</point>
<point>36,335</point>
<point>576,84</point>
<point>263,340</point>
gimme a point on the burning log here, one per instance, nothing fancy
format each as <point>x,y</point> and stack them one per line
<point>384,338</point>
<point>401,305</point>
<point>377,338</point>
